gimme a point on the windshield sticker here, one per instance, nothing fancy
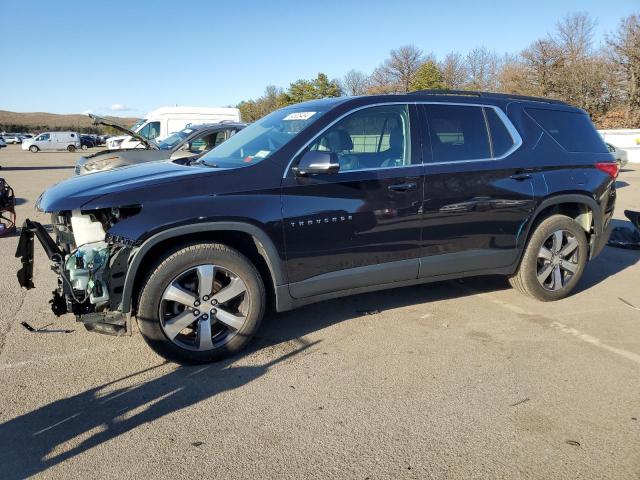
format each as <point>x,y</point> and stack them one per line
<point>248,159</point>
<point>262,154</point>
<point>299,116</point>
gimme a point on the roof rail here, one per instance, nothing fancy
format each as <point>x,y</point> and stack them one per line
<point>473,93</point>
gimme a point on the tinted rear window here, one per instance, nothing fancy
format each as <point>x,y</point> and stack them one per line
<point>457,133</point>
<point>573,130</point>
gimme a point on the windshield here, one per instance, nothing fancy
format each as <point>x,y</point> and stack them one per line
<point>138,124</point>
<point>173,139</point>
<point>263,137</point>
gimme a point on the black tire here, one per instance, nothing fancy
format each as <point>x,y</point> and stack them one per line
<point>171,267</point>
<point>33,149</point>
<point>71,148</point>
<point>526,278</point>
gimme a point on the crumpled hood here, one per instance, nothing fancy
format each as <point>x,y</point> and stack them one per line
<point>75,192</point>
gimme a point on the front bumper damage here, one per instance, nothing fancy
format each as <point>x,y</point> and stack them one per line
<point>90,278</point>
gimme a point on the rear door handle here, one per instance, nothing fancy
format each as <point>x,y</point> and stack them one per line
<point>403,187</point>
<point>522,176</point>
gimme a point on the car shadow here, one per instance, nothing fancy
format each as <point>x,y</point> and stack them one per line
<point>65,428</point>
<point>621,184</point>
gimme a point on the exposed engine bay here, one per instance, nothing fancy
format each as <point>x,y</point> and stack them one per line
<point>91,266</point>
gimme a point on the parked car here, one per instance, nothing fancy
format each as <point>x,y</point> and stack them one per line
<point>53,141</point>
<point>181,146</point>
<point>25,136</point>
<point>86,141</point>
<point>102,139</point>
<point>12,138</point>
<point>2,143</point>
<point>164,121</point>
<point>619,154</point>
<point>325,199</point>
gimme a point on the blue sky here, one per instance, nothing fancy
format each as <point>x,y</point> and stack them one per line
<point>72,56</point>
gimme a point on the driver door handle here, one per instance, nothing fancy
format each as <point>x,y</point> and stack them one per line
<point>403,187</point>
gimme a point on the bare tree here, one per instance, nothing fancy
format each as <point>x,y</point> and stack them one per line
<point>582,77</point>
<point>397,71</point>
<point>542,61</point>
<point>454,71</point>
<point>574,35</point>
<point>513,76</point>
<point>625,49</point>
<point>484,69</point>
<point>355,83</point>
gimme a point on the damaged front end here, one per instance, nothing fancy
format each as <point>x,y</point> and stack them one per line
<point>91,266</point>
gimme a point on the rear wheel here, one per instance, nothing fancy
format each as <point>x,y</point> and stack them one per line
<point>33,149</point>
<point>202,303</point>
<point>554,259</point>
<point>71,148</point>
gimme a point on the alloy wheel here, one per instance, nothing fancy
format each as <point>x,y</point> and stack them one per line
<point>204,307</point>
<point>558,260</point>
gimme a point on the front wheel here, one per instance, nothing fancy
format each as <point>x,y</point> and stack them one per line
<point>33,149</point>
<point>71,148</point>
<point>84,147</point>
<point>203,302</point>
<point>554,259</point>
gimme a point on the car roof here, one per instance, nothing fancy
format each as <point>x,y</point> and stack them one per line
<point>449,96</point>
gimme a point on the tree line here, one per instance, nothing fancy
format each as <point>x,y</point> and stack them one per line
<point>565,64</point>
<point>31,128</point>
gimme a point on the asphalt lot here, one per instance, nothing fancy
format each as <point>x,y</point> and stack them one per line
<point>450,380</point>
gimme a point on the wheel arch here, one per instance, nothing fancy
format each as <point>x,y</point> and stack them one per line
<point>579,206</point>
<point>248,239</point>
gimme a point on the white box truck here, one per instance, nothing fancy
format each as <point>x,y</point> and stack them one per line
<point>164,121</point>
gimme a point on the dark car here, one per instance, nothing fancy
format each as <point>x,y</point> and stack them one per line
<point>87,141</point>
<point>325,199</point>
<point>187,144</point>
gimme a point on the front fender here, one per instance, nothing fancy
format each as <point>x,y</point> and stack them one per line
<point>265,246</point>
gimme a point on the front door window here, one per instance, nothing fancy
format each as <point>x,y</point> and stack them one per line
<point>372,138</point>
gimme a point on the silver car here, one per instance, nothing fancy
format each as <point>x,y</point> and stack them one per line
<point>620,154</point>
<point>183,146</point>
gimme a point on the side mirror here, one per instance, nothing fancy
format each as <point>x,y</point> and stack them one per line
<point>314,162</point>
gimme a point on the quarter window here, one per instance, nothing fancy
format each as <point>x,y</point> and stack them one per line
<point>573,130</point>
<point>457,132</point>
<point>375,137</point>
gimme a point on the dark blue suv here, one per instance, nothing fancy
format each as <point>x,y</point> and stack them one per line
<point>325,199</point>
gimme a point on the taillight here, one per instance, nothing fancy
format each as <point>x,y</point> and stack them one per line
<point>610,168</point>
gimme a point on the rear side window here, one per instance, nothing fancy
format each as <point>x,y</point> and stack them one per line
<point>501,139</point>
<point>573,130</point>
<point>457,132</point>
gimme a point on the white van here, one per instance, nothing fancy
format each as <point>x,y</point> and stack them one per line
<point>164,121</point>
<point>53,141</point>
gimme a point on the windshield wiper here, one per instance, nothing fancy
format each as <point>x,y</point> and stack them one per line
<point>199,161</point>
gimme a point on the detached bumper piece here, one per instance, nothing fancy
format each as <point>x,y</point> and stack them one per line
<point>25,251</point>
